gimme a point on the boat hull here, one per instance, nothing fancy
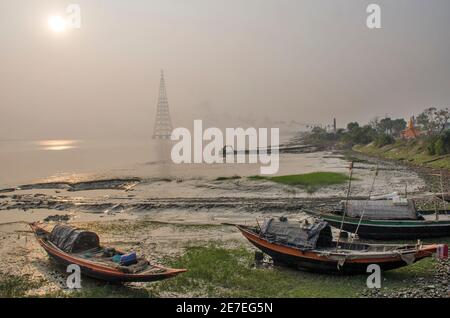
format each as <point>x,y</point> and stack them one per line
<point>107,276</point>
<point>98,271</point>
<point>314,261</point>
<point>391,229</point>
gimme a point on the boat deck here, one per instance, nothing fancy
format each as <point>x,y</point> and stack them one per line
<point>96,255</point>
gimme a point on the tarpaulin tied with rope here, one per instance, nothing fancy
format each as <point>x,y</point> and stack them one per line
<point>73,240</point>
<point>305,236</point>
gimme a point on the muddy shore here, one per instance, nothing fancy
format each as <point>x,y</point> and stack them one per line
<point>164,218</point>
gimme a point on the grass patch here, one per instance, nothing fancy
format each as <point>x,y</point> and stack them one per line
<point>16,286</point>
<point>220,272</point>
<point>309,181</point>
<point>105,291</point>
<point>413,152</point>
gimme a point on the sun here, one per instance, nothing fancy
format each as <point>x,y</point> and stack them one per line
<point>57,23</point>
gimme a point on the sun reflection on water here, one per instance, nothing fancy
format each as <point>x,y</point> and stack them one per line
<point>57,144</point>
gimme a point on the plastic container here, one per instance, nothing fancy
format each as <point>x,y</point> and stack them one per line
<point>128,259</point>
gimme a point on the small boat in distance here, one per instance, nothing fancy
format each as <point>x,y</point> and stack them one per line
<point>68,245</point>
<point>311,247</point>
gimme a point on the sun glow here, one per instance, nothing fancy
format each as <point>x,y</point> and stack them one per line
<point>57,23</point>
<point>57,144</point>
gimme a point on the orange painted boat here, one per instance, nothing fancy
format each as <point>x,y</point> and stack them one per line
<point>83,249</point>
<point>324,255</point>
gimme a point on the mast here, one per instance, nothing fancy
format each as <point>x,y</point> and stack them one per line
<point>346,203</point>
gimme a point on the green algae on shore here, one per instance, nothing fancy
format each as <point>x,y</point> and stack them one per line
<point>311,182</point>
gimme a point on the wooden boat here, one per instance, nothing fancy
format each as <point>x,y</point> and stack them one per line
<point>95,261</point>
<point>327,257</point>
<point>425,227</point>
<point>387,219</point>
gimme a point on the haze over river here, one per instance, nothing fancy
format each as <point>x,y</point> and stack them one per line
<point>23,161</point>
<point>136,167</point>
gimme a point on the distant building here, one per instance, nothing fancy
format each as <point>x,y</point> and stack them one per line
<point>411,131</point>
<point>334,125</point>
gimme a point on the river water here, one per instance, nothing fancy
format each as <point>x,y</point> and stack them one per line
<point>24,162</point>
<point>175,186</point>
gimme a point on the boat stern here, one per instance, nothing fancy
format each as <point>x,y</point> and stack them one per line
<point>440,251</point>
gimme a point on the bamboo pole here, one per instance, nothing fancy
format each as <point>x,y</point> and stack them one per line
<point>368,199</point>
<point>442,193</point>
<point>346,203</point>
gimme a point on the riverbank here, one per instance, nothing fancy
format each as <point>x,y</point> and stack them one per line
<point>412,152</point>
<point>178,222</point>
<point>219,259</point>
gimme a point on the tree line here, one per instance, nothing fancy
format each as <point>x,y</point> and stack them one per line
<point>432,125</point>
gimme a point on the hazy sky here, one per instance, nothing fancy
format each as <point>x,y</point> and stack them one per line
<point>234,61</point>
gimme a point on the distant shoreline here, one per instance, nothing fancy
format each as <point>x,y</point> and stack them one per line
<point>407,153</point>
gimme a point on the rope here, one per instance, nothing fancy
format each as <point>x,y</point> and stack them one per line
<point>346,203</point>
<point>367,201</point>
<point>442,193</point>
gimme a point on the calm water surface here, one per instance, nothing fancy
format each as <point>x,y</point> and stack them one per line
<point>48,160</point>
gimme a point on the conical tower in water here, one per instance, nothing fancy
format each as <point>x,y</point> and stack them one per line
<point>163,124</point>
